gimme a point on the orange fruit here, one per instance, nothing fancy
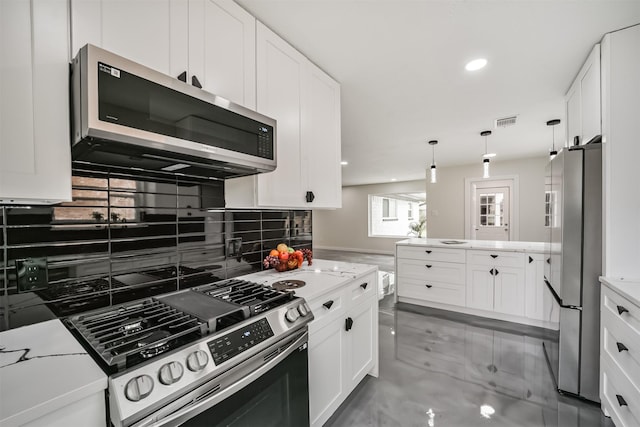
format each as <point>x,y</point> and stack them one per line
<point>274,252</point>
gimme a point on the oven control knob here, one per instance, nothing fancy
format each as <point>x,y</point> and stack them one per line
<point>197,360</point>
<point>292,315</point>
<point>302,310</point>
<point>138,388</point>
<point>170,373</point>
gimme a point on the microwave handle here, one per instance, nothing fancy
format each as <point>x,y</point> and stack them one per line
<point>195,82</point>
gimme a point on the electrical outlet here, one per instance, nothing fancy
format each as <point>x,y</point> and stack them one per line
<point>32,274</point>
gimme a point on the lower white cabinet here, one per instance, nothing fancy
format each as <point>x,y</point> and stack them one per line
<point>343,345</point>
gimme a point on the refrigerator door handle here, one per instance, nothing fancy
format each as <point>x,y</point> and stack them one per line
<point>558,299</point>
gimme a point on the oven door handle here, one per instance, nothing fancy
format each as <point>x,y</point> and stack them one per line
<point>195,406</point>
<point>557,297</point>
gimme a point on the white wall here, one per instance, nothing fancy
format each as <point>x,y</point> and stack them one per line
<point>446,199</point>
<point>347,228</point>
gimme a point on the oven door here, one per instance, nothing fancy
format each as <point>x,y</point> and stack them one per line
<point>269,389</point>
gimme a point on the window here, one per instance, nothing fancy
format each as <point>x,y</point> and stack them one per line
<point>549,209</point>
<point>492,209</point>
<point>389,209</point>
<point>396,215</point>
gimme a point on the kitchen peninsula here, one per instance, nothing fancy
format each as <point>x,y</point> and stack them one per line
<point>496,279</point>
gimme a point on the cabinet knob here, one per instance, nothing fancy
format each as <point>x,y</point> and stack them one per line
<point>195,82</point>
<point>496,272</point>
<point>530,260</point>
<point>548,260</point>
<point>183,77</point>
<point>621,310</point>
<point>494,256</point>
<point>428,265</point>
<point>492,272</point>
<point>348,323</point>
<point>429,286</point>
<point>621,347</point>
<point>328,304</point>
<point>309,196</point>
<point>621,400</point>
<point>364,285</point>
<point>428,252</point>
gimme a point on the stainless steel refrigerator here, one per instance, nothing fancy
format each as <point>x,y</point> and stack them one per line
<point>573,263</point>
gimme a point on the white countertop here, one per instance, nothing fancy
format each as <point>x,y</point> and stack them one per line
<point>629,289</point>
<point>512,246</point>
<point>321,277</point>
<point>43,368</point>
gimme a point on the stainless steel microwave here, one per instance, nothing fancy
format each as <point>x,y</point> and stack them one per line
<point>126,115</point>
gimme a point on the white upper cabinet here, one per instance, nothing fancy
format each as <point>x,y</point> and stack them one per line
<point>222,39</point>
<point>211,41</point>
<point>583,102</point>
<point>35,164</point>
<point>305,102</point>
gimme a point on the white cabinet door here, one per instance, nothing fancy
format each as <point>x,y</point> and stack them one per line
<point>279,76</point>
<point>326,385</point>
<point>534,287</point>
<point>35,163</point>
<point>590,97</point>
<point>509,290</point>
<point>222,49</point>
<point>574,121</point>
<point>479,287</point>
<point>151,32</point>
<point>361,343</point>
<point>321,154</point>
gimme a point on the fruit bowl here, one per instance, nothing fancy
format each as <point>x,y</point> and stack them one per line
<point>284,258</point>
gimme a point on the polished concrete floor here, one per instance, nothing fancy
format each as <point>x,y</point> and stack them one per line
<point>439,368</point>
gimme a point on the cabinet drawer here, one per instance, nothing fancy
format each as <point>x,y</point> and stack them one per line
<point>619,397</point>
<point>447,272</point>
<point>496,258</point>
<point>364,287</point>
<point>621,308</point>
<point>623,347</point>
<point>431,254</point>
<point>325,309</point>
<point>446,293</point>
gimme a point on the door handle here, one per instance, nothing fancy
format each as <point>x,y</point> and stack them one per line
<point>348,323</point>
<point>621,400</point>
<point>621,347</point>
<point>328,304</point>
<point>621,310</point>
<point>195,82</point>
<point>364,285</point>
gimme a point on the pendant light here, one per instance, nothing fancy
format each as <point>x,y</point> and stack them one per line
<point>553,151</point>
<point>433,144</point>
<point>485,157</point>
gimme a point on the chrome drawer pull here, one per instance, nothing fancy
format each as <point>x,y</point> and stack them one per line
<point>621,347</point>
<point>621,310</point>
<point>328,304</point>
<point>621,400</point>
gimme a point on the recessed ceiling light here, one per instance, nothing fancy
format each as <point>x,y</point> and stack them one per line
<point>344,163</point>
<point>488,155</point>
<point>476,64</point>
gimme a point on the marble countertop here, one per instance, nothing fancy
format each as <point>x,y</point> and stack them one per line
<point>629,289</point>
<point>321,277</point>
<point>512,246</point>
<point>43,368</point>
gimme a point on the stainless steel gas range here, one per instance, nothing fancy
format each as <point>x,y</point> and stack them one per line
<point>228,353</point>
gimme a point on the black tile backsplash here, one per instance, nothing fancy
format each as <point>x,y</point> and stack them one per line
<point>127,238</point>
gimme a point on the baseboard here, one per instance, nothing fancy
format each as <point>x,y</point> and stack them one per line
<point>366,251</point>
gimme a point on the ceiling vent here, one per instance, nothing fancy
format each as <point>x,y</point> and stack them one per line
<point>505,122</point>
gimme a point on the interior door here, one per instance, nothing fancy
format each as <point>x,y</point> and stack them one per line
<point>492,215</point>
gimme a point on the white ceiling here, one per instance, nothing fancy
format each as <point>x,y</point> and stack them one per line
<point>401,68</point>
